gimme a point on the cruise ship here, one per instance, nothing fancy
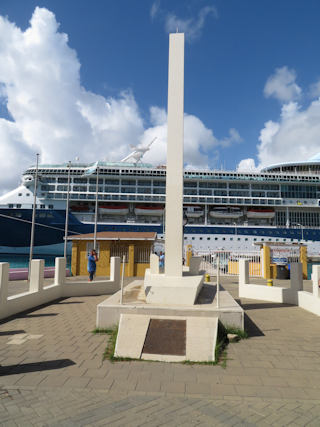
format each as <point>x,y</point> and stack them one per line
<point>223,210</point>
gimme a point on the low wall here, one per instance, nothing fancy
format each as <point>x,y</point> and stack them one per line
<point>39,294</point>
<point>293,295</point>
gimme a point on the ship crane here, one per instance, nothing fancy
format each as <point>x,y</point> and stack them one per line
<point>138,152</point>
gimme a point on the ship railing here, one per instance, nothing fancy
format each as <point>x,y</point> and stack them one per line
<point>228,262</point>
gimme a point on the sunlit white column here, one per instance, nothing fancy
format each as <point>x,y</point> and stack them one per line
<point>174,178</point>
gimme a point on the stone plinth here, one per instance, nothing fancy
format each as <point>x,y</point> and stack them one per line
<point>180,290</point>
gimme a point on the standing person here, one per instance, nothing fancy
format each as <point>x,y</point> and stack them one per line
<point>92,266</point>
<point>161,260</point>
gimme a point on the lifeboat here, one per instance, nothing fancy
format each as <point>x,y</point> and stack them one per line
<point>193,211</point>
<point>227,213</point>
<point>113,209</point>
<point>149,210</point>
<point>260,213</point>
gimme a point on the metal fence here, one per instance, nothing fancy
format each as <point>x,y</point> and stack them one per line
<point>117,250</point>
<point>142,254</point>
<point>229,262</point>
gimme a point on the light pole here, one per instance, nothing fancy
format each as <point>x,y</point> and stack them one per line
<point>301,226</point>
<point>96,211</point>
<point>67,214</point>
<point>33,214</point>
<point>235,228</point>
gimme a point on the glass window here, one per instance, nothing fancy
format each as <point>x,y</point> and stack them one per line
<point>80,180</point>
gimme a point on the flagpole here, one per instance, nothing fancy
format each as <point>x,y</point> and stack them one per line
<point>96,212</point>
<point>33,215</point>
<point>67,214</point>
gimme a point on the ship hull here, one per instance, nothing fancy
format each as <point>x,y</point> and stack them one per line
<point>49,234</point>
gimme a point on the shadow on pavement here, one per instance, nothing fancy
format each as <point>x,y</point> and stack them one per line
<point>68,302</point>
<point>35,367</point>
<point>28,316</point>
<point>257,306</point>
<point>18,331</point>
<point>252,329</point>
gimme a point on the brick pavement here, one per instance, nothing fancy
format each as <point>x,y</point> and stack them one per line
<point>52,373</point>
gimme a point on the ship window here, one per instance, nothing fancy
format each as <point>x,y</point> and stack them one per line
<point>231,238</point>
<point>223,238</point>
<point>271,239</point>
<point>128,190</point>
<point>94,181</point>
<point>159,183</point>
<point>42,206</point>
<point>255,239</point>
<point>79,188</point>
<point>185,238</point>
<point>80,180</point>
<point>192,238</point>
<point>239,238</point>
<point>208,238</point>
<point>28,194</point>
<point>216,238</point>
<point>18,205</point>
<point>20,194</point>
<point>246,239</point>
<point>200,238</point>
<point>63,180</point>
<point>262,240</point>
<point>128,182</point>
<point>50,206</point>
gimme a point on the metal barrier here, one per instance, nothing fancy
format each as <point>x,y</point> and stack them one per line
<point>229,262</point>
<point>142,254</point>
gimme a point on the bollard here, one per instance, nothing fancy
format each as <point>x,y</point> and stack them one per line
<point>207,278</point>
<point>270,282</point>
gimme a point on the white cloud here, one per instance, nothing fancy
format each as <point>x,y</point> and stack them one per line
<point>154,9</point>
<point>294,137</point>
<point>314,90</point>
<point>282,86</point>
<point>192,27</point>
<point>54,115</point>
<point>199,141</point>
<point>247,165</point>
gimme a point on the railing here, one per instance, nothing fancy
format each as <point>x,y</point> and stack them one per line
<point>119,251</point>
<point>228,262</point>
<point>142,255</point>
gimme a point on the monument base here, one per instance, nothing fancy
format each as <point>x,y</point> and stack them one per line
<point>181,290</point>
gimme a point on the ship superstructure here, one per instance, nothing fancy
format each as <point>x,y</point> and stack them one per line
<point>222,209</point>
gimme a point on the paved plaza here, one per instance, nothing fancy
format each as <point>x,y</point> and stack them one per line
<point>52,373</point>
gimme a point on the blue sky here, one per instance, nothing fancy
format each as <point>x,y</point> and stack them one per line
<point>234,115</point>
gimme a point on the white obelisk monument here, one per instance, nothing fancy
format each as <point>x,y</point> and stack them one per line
<point>174,179</point>
<point>174,286</point>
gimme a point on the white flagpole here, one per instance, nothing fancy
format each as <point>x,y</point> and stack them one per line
<point>33,215</point>
<point>218,281</point>
<point>67,214</point>
<point>96,212</point>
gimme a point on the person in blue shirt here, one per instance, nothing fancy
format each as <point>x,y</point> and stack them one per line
<point>92,266</point>
<point>161,260</point>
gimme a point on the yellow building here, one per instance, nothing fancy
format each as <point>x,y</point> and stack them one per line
<point>135,246</point>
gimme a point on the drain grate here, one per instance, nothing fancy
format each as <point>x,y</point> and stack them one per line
<point>165,336</point>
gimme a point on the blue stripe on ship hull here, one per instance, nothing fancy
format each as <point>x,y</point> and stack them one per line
<point>16,233</point>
